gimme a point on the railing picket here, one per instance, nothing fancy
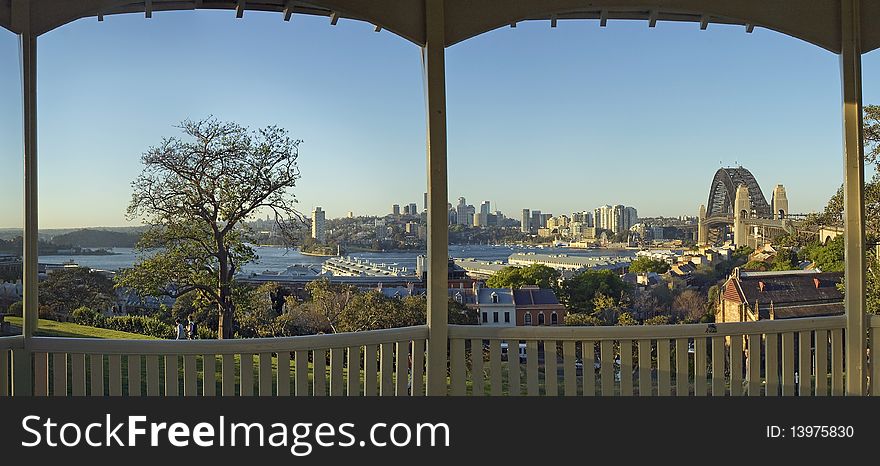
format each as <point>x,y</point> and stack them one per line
<point>736,365</point>
<point>551,374</point>
<point>606,355</point>
<point>418,368</point>
<point>4,371</point>
<point>386,369</point>
<point>626,368</point>
<point>265,375</point>
<point>664,372</point>
<point>152,375</point>
<point>78,374</point>
<point>532,368</point>
<point>837,362</point>
<point>569,369</point>
<point>401,366</point>
<point>681,367</point>
<point>282,383</point>
<point>875,363</point>
<point>718,380</point>
<point>588,352</point>
<point>209,375</point>
<point>456,367</point>
<point>771,364</point>
<point>805,363</point>
<point>59,374</point>
<point>246,377</point>
<point>514,384</point>
<point>788,364</point>
<point>337,383</point>
<point>41,374</point>
<point>495,367</point>
<point>96,374</point>
<point>190,376</point>
<point>353,368</point>
<point>370,371</point>
<point>645,382</point>
<point>319,372</point>
<point>701,385</point>
<point>115,374</point>
<point>301,369</point>
<point>822,362</point>
<point>134,375</point>
<point>477,385</point>
<point>228,375</point>
<point>172,387</point>
<point>754,363</point>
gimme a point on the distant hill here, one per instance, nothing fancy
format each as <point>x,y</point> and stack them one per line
<point>97,239</point>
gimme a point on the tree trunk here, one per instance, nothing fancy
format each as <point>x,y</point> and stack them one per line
<point>225,306</point>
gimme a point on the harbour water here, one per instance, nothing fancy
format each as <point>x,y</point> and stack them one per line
<point>277,259</point>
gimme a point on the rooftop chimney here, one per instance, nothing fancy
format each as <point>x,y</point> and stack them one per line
<point>816,282</point>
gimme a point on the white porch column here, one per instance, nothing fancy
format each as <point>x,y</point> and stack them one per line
<point>433,61</point>
<point>22,373</point>
<point>853,197</point>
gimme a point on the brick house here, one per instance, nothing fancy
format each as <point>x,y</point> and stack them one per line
<point>752,296</point>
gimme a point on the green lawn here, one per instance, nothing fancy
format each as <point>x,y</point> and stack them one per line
<point>51,328</point>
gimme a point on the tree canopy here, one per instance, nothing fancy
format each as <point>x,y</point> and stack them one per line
<point>515,277</point>
<point>195,194</point>
<point>70,288</point>
<point>579,292</point>
<point>646,264</point>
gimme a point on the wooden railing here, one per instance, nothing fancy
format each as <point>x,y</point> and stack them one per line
<point>7,346</point>
<point>362,363</point>
<point>768,358</point>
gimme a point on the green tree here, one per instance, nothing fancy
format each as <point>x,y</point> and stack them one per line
<point>755,266</point>
<point>581,319</point>
<point>657,320</point>
<point>785,259</point>
<point>515,277</point>
<point>196,194</point>
<point>625,318</point>
<point>647,264</point>
<point>331,300</point>
<point>828,257</point>
<point>72,287</point>
<point>578,292</point>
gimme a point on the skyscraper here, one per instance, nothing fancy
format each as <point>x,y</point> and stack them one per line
<point>461,211</point>
<point>413,209</point>
<point>632,217</point>
<point>526,218</point>
<point>536,221</point>
<point>484,208</point>
<point>395,210</point>
<point>426,201</point>
<point>318,225</point>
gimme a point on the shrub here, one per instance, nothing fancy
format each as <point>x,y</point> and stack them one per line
<point>144,325</point>
<point>581,318</point>
<point>87,316</point>
<point>16,308</point>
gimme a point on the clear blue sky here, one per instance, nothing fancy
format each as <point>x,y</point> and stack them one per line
<point>559,120</point>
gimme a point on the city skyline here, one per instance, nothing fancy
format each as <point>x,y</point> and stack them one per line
<point>642,123</point>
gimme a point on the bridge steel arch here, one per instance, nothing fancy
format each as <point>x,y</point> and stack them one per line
<point>842,27</point>
<point>722,193</point>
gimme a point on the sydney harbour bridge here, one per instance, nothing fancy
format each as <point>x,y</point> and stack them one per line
<point>737,206</point>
